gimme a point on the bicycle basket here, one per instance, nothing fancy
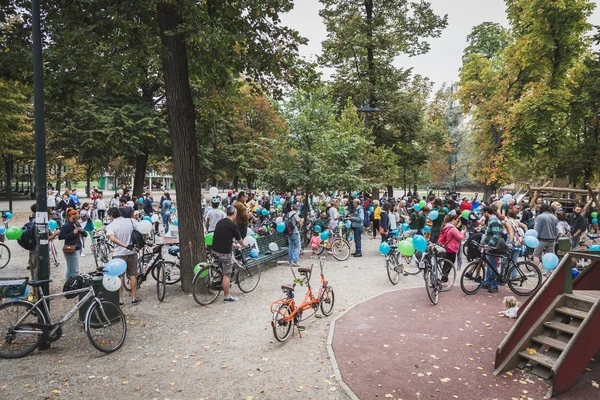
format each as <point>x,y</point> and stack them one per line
<point>13,287</point>
<point>74,283</point>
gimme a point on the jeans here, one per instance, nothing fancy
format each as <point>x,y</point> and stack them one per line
<point>575,241</point>
<point>490,280</point>
<point>72,264</point>
<point>358,239</point>
<point>165,218</point>
<point>514,254</point>
<point>294,248</point>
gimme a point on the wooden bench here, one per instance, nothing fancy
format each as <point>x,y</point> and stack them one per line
<point>264,254</point>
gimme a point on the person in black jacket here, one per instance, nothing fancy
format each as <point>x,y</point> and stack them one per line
<point>72,233</point>
<point>384,222</point>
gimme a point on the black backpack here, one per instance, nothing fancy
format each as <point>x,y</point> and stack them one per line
<point>289,226</point>
<point>137,239</point>
<point>28,239</point>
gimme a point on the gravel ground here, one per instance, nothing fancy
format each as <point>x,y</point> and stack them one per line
<point>178,349</point>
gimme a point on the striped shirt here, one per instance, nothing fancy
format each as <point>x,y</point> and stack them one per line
<point>493,232</point>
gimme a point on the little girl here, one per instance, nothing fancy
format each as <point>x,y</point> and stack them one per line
<point>315,243</point>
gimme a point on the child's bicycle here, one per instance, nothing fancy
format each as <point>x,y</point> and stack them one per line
<point>285,311</point>
<point>338,247</point>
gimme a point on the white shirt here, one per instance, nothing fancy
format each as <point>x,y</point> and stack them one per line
<point>100,204</point>
<point>214,216</point>
<point>393,220</point>
<point>122,228</point>
<point>51,201</point>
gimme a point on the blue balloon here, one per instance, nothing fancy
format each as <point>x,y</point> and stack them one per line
<point>371,208</point>
<point>348,224</point>
<point>595,247</point>
<point>176,222</point>
<point>140,200</point>
<point>420,243</point>
<point>325,235</point>
<point>532,241</point>
<point>506,198</point>
<point>595,221</point>
<point>350,238</point>
<point>318,228</point>
<point>52,225</point>
<point>405,226</point>
<point>427,229</point>
<point>2,230</point>
<point>280,227</point>
<point>209,208</point>
<point>417,207</point>
<point>115,267</point>
<point>574,273</point>
<point>258,210</point>
<point>550,261</point>
<point>8,215</point>
<point>265,212</point>
<point>147,218</point>
<point>394,232</point>
<point>384,248</point>
<point>433,215</point>
<point>355,194</point>
<point>172,209</point>
<point>254,253</point>
<point>531,232</point>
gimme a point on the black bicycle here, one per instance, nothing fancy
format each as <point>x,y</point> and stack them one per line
<point>523,277</point>
<point>439,273</point>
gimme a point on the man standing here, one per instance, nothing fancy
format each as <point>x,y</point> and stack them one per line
<point>578,226</point>
<point>225,231</point>
<point>50,200</point>
<point>294,237</point>
<point>148,205</point>
<point>242,217</point>
<point>436,227</point>
<point>358,218</point>
<point>125,210</point>
<point>214,216</point>
<point>493,237</point>
<point>74,197</point>
<point>119,232</point>
<point>545,225</point>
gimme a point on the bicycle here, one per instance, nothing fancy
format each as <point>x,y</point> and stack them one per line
<point>392,263</point>
<point>339,247</point>
<point>523,278</point>
<point>285,311</point>
<point>164,272</point>
<point>24,326</point>
<point>101,248</point>
<point>433,265</point>
<point>4,255</point>
<point>208,281</point>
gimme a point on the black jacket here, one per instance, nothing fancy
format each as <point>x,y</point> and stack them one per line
<point>66,234</point>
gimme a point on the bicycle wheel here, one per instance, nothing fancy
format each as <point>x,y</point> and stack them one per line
<point>340,250</point>
<point>161,283</point>
<point>446,273</point>
<point>13,344</point>
<point>432,285</point>
<point>206,285</point>
<point>248,277</point>
<point>327,300</point>
<point>393,271</point>
<point>281,328</point>
<point>409,264</point>
<point>106,326</point>
<point>321,248</point>
<point>172,272</point>
<point>4,255</point>
<point>472,277</point>
<point>524,278</point>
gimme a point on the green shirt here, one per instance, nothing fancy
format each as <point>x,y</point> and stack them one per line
<point>505,209</point>
<point>414,221</point>
<point>422,220</point>
<point>439,221</point>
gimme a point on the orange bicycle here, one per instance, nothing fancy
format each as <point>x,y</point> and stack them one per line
<point>286,312</point>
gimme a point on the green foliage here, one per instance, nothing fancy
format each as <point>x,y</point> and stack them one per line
<point>16,137</point>
<point>488,39</point>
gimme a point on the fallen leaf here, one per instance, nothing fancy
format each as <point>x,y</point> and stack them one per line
<point>389,396</point>
<point>445,380</point>
<point>468,345</point>
<point>531,351</point>
<point>125,382</point>
<point>595,384</point>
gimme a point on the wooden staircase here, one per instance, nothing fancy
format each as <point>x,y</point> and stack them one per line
<point>557,332</point>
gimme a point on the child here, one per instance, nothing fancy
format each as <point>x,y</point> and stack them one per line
<point>315,243</point>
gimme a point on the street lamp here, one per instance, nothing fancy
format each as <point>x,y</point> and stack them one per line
<point>367,110</point>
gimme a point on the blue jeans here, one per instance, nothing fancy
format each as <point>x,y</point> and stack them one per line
<point>358,239</point>
<point>514,254</point>
<point>294,247</point>
<point>165,218</point>
<point>72,264</point>
<point>490,280</point>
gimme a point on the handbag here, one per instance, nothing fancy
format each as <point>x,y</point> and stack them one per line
<point>69,248</point>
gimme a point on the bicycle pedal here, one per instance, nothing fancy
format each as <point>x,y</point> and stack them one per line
<point>300,328</point>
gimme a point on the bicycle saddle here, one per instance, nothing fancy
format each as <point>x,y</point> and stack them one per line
<point>39,282</point>
<point>305,270</point>
<point>593,237</point>
<point>288,287</point>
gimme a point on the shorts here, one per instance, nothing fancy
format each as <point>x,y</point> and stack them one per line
<point>544,245</point>
<point>32,262</point>
<point>226,262</point>
<point>132,261</point>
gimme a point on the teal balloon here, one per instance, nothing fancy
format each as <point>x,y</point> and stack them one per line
<point>280,227</point>
<point>147,218</point>
<point>258,210</point>
<point>2,230</point>
<point>52,225</point>
<point>172,209</point>
<point>371,208</point>
<point>433,215</point>
<point>348,224</point>
<point>8,215</point>
<point>176,222</point>
<point>595,221</point>
<point>264,212</point>
<point>325,235</point>
<point>506,198</point>
<point>405,226</point>
<point>384,248</point>
<point>420,243</point>
<point>531,241</point>
<point>355,194</point>
<point>394,232</point>
<point>550,261</point>
<point>531,232</point>
<point>140,200</point>
<point>417,207</point>
<point>254,253</point>
<point>427,229</point>
<point>595,247</point>
<point>318,228</point>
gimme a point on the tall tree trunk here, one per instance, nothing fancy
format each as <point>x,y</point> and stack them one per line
<point>88,179</point>
<point>390,190</point>
<point>141,163</point>
<point>182,127</point>
<point>58,176</point>
<point>236,181</point>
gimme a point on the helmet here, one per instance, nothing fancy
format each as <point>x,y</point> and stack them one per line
<point>74,283</point>
<point>173,250</point>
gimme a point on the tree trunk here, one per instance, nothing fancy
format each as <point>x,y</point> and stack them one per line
<point>236,181</point>
<point>58,176</point>
<point>390,191</point>
<point>141,163</point>
<point>88,179</point>
<point>182,127</point>
<point>488,190</point>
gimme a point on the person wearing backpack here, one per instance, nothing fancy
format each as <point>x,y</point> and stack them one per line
<point>86,216</point>
<point>293,237</point>
<point>527,216</point>
<point>121,232</point>
<point>516,236</point>
<point>72,233</point>
<point>357,221</point>
<point>450,237</point>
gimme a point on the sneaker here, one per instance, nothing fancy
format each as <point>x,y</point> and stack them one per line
<point>357,255</point>
<point>230,299</point>
<point>485,286</point>
<point>444,279</point>
<point>493,290</point>
<point>82,255</point>
<point>477,280</point>
<point>136,301</point>
<point>121,302</point>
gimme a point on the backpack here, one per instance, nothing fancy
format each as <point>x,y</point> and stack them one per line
<point>137,239</point>
<point>443,238</point>
<point>289,225</point>
<point>518,235</point>
<point>28,239</point>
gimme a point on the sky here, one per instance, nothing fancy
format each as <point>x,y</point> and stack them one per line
<point>443,61</point>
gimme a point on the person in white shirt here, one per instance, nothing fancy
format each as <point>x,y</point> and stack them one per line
<point>100,206</point>
<point>214,216</point>
<point>51,200</point>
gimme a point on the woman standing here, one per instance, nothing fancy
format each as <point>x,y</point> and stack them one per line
<point>86,217</point>
<point>376,217</point>
<point>451,238</point>
<point>100,205</point>
<point>72,232</point>
<point>334,215</point>
<point>516,235</point>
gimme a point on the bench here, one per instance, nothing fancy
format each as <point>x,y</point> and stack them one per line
<point>264,254</point>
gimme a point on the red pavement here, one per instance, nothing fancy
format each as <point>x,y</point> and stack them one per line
<point>399,346</point>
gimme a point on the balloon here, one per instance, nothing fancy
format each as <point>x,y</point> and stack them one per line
<point>427,229</point>
<point>355,194</point>
<point>8,215</point>
<point>531,241</point>
<point>405,226</point>
<point>250,241</point>
<point>594,214</point>
<point>209,208</point>
<point>273,246</point>
<point>574,273</point>
<point>3,230</point>
<point>280,227</point>
<point>144,227</point>
<point>325,235</point>
<point>595,247</point>
<point>172,209</point>
<point>341,209</point>
<point>147,218</point>
<point>420,243</point>
<point>265,212</point>
<point>278,220</point>
<point>208,238</point>
<point>550,261</point>
<point>115,267</point>
<point>176,222</point>
<point>254,253</point>
<point>465,214</point>
<point>220,207</point>
<point>371,208</point>
<point>52,225</point>
<point>258,210</point>
<point>140,200</point>
<point>14,233</point>
<point>433,215</point>
<point>213,191</point>
<point>595,221</point>
<point>97,224</point>
<point>394,232</point>
<point>422,203</point>
<point>384,248</point>
<point>406,248</point>
<point>111,283</point>
<point>318,228</point>
<point>279,207</point>
<point>348,224</point>
<point>531,232</point>
<point>506,198</point>
<point>350,238</point>
<point>154,217</point>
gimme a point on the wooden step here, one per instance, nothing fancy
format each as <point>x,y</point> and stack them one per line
<point>559,326</point>
<point>554,343</point>
<point>580,301</point>
<point>572,312</point>
<point>541,359</point>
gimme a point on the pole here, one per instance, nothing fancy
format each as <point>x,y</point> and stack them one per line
<point>9,178</point>
<point>41,217</point>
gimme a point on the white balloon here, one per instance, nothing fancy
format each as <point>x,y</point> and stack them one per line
<point>213,191</point>
<point>273,246</point>
<point>154,218</point>
<point>250,241</point>
<point>111,283</point>
<point>144,227</point>
<point>278,220</point>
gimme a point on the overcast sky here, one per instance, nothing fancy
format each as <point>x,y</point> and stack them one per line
<point>442,62</point>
